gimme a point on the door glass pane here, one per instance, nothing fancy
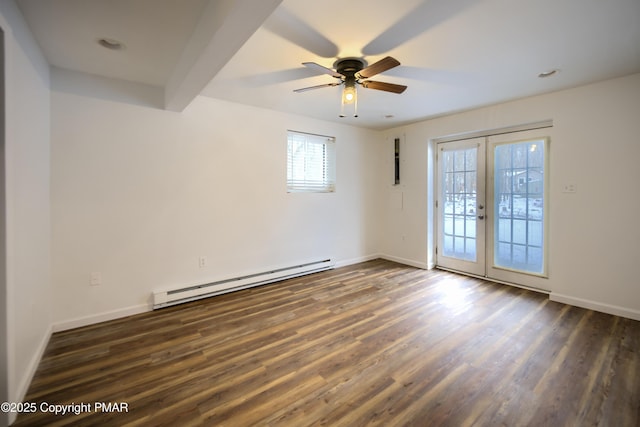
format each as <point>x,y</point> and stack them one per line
<point>519,205</point>
<point>459,178</point>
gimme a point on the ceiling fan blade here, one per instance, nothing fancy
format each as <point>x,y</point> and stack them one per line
<point>304,89</point>
<point>292,28</point>
<point>427,15</point>
<point>387,87</point>
<point>384,64</point>
<point>322,69</point>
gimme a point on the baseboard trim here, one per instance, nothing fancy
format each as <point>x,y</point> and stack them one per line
<point>358,260</point>
<point>101,317</point>
<point>596,306</point>
<point>25,382</point>
<point>409,262</point>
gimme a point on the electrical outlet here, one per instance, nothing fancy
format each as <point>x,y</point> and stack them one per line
<point>95,278</point>
<point>202,261</point>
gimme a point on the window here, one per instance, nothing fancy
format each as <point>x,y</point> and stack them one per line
<point>311,163</point>
<point>519,218</point>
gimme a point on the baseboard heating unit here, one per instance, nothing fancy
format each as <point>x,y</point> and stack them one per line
<point>191,293</point>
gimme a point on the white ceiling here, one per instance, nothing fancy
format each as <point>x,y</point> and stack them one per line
<point>455,55</point>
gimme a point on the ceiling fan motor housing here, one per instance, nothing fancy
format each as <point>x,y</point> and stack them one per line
<point>349,66</point>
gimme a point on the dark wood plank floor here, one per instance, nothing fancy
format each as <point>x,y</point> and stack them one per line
<point>376,343</point>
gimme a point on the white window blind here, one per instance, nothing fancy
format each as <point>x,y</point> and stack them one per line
<point>310,163</point>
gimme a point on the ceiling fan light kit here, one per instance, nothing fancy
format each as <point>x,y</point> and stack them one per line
<point>349,96</point>
<point>353,72</point>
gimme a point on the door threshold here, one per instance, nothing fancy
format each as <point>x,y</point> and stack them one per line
<point>489,279</point>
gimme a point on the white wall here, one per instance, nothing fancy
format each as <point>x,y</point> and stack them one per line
<point>594,236</point>
<point>139,194</point>
<point>404,226</point>
<point>27,201</point>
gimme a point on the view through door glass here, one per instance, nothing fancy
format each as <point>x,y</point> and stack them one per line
<point>519,206</point>
<point>460,204</point>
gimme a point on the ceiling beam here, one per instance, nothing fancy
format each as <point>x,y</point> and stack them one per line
<point>223,28</point>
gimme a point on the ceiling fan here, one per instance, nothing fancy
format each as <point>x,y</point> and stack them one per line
<point>354,71</point>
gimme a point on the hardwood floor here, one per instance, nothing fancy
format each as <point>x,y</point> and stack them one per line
<point>376,343</point>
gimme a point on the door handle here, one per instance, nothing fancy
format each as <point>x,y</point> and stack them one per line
<point>480,216</point>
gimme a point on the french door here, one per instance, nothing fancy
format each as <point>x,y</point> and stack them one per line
<point>461,206</point>
<point>492,207</point>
